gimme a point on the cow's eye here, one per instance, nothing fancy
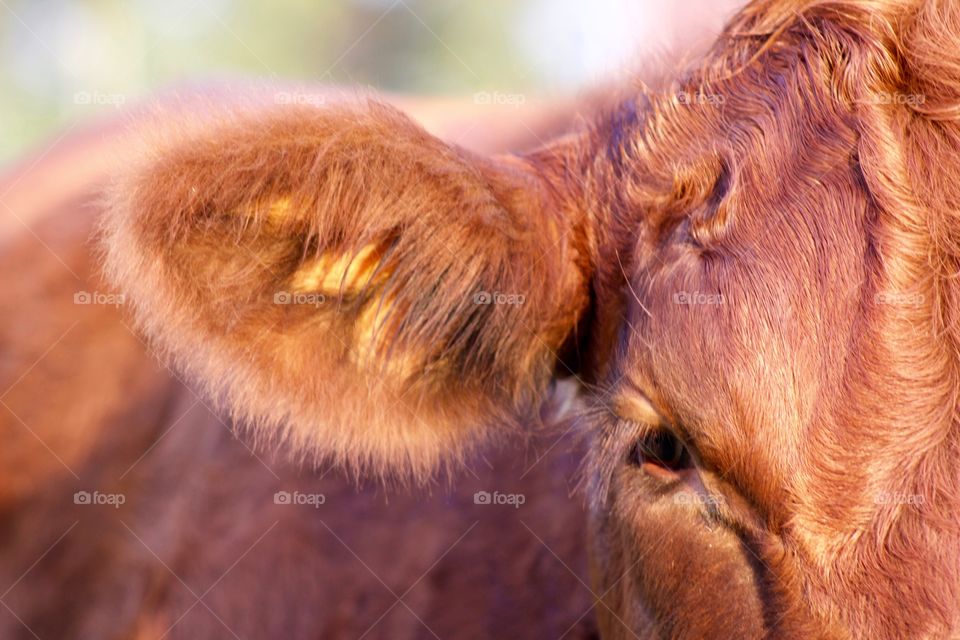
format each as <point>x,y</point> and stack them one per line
<point>660,451</point>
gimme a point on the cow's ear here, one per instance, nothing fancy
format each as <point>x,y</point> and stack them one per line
<point>344,280</point>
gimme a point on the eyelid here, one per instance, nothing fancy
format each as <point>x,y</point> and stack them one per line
<point>637,408</point>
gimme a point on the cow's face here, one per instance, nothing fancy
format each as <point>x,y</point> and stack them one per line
<point>754,266</point>
<point>774,443</point>
<point>740,442</point>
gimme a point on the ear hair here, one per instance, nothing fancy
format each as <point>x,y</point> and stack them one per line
<point>343,280</point>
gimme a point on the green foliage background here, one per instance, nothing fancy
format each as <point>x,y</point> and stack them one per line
<point>51,50</point>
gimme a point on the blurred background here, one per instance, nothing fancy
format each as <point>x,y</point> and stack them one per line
<point>65,60</point>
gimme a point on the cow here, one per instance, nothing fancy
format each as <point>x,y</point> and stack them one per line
<point>748,269</point>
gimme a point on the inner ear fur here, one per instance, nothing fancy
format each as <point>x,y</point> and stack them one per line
<point>343,281</point>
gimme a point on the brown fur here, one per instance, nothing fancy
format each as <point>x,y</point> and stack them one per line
<point>805,175</point>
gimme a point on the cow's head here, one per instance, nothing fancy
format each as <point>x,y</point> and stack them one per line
<point>754,267</point>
